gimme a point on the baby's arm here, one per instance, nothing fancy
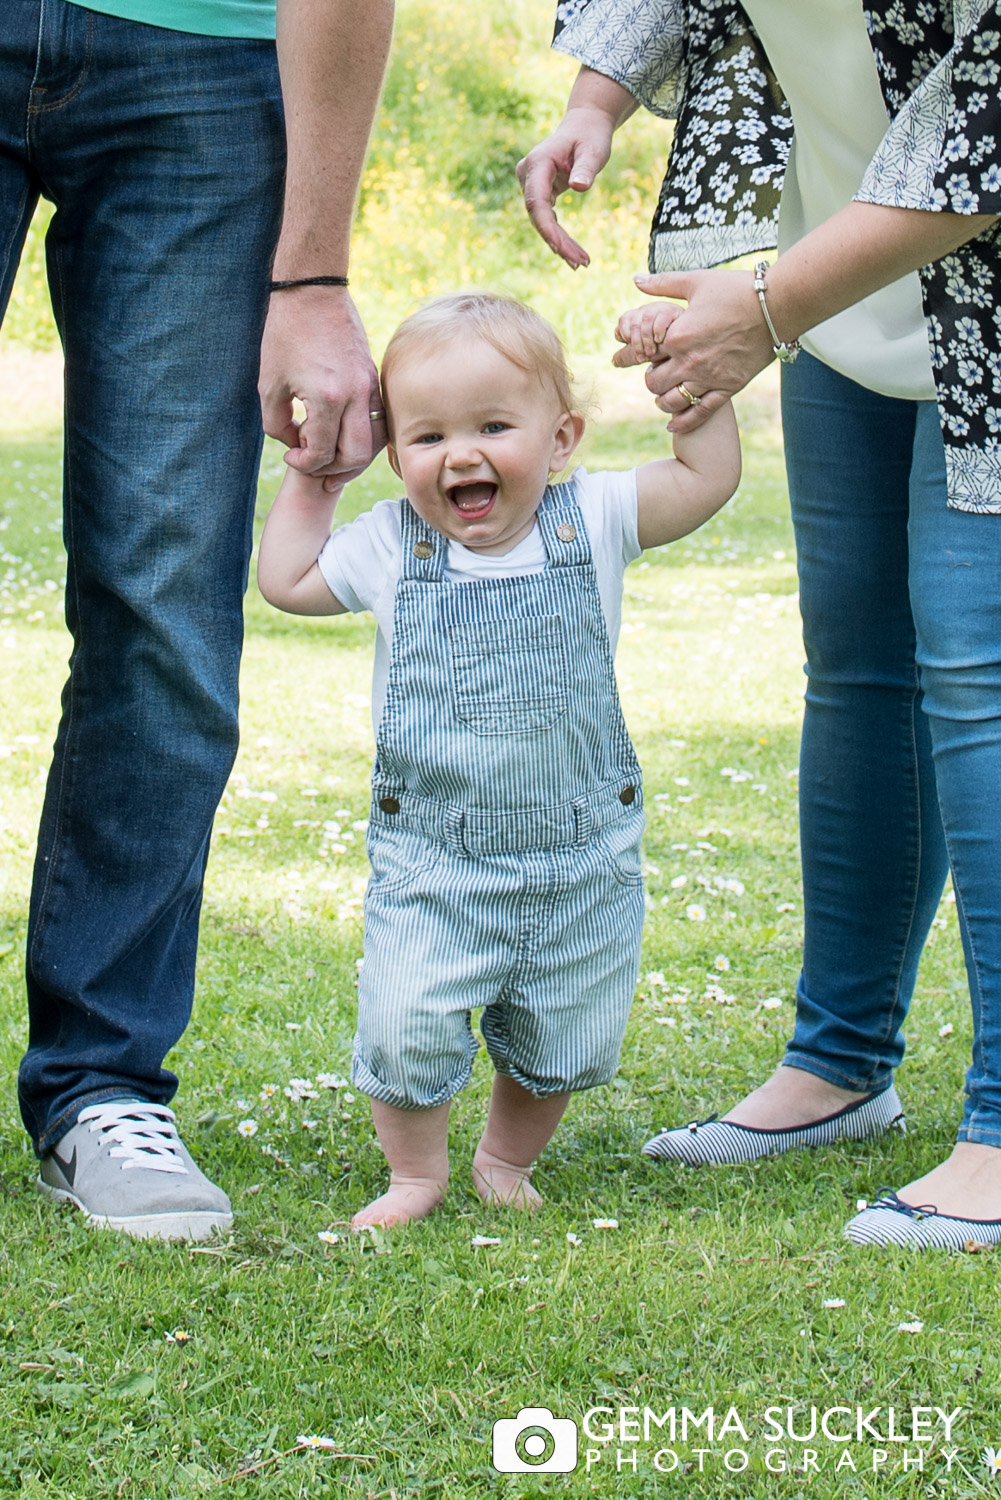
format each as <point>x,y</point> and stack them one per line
<point>677,495</point>
<point>294,534</point>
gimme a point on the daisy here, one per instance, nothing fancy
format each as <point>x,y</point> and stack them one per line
<point>247,1127</point>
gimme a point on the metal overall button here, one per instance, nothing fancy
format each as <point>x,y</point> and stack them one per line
<point>389,804</point>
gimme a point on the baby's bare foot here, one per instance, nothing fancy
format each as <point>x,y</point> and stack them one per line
<point>408,1198</point>
<point>500,1182</point>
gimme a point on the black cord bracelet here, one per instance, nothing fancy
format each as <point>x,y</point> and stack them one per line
<point>285,286</point>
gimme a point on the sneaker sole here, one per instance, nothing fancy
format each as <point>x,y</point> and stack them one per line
<point>196,1225</point>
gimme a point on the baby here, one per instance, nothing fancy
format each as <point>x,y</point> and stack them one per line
<point>507,803</point>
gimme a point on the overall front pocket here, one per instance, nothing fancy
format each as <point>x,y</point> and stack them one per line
<point>509,676</point>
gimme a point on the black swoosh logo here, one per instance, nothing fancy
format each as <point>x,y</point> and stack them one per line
<point>68,1168</point>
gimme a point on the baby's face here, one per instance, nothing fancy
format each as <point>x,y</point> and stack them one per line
<point>475,439</point>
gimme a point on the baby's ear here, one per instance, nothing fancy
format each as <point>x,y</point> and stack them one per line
<point>569,431</point>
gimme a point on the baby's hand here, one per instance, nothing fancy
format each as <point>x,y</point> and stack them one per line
<point>642,331</point>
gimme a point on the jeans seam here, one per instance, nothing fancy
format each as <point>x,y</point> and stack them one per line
<point>916,883</point>
<point>82,77</point>
<point>973,979</point>
<point>69,756</point>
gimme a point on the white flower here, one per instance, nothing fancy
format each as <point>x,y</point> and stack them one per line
<point>834,1302</point>
<point>722,963</point>
<point>330,1081</point>
<point>678,882</point>
<point>945,1030</point>
<point>326,1238</point>
<point>298,1089</point>
<point>481,1241</point>
<point>992,1460</point>
<point>605,1223</point>
<point>772,1003</point>
<point>268,1092</point>
<point>695,913</point>
<point>916,1327</point>
<point>310,1440</point>
<point>573,1239</point>
<point>656,978</point>
<point>293,1025</point>
<point>247,1127</point>
<point>861,1205</point>
<point>785,906</point>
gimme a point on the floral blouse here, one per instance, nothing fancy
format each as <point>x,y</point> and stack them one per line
<point>939,62</point>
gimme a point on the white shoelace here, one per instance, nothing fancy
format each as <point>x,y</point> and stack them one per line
<point>144,1134</point>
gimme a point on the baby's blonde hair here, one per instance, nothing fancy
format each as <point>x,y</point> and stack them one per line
<point>513,329</point>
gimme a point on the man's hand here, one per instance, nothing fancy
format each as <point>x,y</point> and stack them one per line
<point>315,349</point>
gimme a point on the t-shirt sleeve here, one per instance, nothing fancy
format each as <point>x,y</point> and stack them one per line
<point>610,508</point>
<point>362,558</point>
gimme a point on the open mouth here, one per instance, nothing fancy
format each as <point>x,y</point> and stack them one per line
<point>472,500</point>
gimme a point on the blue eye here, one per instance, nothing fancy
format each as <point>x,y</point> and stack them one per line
<point>493,427</point>
<point>429,437</point>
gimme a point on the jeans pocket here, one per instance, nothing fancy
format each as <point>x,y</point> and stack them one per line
<point>398,858</point>
<point>509,676</point>
<point>621,852</point>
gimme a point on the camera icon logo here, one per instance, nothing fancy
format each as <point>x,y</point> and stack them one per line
<point>535,1442</point>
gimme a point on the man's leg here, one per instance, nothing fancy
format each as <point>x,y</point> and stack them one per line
<point>164,158</point>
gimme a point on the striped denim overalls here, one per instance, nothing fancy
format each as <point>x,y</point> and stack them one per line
<point>505,830</point>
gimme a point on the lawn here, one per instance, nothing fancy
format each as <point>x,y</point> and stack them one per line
<point>150,1372</point>
<point>405,1348</point>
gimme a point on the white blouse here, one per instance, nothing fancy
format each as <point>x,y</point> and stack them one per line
<point>823,60</point>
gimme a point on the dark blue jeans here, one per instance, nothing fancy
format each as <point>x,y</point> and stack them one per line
<point>900,772</point>
<point>163,153</point>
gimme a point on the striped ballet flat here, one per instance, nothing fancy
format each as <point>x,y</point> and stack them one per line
<point>890,1222</point>
<point>720,1143</point>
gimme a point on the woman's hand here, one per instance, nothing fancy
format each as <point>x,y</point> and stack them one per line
<point>713,347</point>
<point>573,156</point>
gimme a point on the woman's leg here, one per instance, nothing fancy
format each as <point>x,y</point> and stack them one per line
<point>955,567</point>
<point>874,859</point>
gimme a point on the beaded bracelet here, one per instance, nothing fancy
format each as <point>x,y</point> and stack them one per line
<point>785,352</point>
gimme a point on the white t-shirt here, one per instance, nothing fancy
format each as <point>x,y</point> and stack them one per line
<point>823,59</point>
<point>361,562</point>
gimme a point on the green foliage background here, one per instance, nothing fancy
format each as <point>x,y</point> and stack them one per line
<point>470,89</point>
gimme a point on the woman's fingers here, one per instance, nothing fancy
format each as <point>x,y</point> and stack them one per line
<point>687,416</point>
<point>571,157</point>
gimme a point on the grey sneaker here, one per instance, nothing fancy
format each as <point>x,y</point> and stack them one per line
<point>124,1166</point>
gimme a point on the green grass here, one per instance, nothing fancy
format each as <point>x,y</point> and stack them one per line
<point>406,1348</point>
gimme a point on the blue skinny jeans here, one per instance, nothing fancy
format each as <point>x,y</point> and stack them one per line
<point>900,768</point>
<point>163,153</point>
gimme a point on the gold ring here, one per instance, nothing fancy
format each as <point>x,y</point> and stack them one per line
<point>376,416</point>
<point>692,400</point>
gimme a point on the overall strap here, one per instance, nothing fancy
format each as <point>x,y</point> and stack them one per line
<point>562,525</point>
<point>424,549</point>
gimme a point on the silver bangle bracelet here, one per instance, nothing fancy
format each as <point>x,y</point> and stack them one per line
<point>785,352</point>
